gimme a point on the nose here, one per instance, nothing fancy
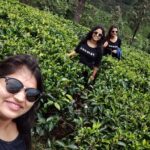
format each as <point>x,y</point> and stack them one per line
<point>20,96</point>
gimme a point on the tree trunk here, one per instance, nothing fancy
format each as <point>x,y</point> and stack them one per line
<point>25,1</point>
<point>141,17</point>
<point>79,10</point>
<point>135,32</point>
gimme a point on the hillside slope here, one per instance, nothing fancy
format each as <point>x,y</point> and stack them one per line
<point>113,114</point>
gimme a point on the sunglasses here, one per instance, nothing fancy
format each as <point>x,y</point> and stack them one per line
<point>98,34</point>
<point>114,31</point>
<point>14,86</point>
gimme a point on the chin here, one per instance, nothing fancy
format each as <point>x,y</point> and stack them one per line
<point>96,40</point>
<point>10,115</point>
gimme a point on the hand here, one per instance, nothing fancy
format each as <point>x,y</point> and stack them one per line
<point>71,54</point>
<point>105,44</point>
<point>91,78</point>
<point>68,54</point>
<point>114,51</point>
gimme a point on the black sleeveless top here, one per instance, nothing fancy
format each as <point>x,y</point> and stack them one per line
<point>17,144</point>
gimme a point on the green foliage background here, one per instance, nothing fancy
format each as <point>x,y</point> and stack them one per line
<point>114,114</point>
<point>125,14</point>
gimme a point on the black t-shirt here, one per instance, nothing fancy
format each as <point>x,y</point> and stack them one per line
<point>113,46</point>
<point>91,57</point>
<point>17,144</point>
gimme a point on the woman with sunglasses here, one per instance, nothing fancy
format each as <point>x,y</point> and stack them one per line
<point>112,44</point>
<point>89,50</point>
<point>20,89</point>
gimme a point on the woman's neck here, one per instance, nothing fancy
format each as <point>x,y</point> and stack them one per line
<point>8,130</point>
<point>92,43</point>
<point>113,38</point>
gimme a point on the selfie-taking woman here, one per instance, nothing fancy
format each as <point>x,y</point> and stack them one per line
<point>20,90</point>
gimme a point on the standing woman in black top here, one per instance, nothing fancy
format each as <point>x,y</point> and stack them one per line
<point>20,89</point>
<point>89,50</point>
<point>112,44</point>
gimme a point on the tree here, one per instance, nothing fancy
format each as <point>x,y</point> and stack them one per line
<point>139,15</point>
<point>28,2</point>
<point>116,17</point>
<point>79,8</point>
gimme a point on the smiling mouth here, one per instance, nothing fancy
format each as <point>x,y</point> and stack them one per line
<point>13,106</point>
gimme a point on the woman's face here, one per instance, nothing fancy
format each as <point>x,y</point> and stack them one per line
<point>97,34</point>
<point>15,105</point>
<point>114,32</point>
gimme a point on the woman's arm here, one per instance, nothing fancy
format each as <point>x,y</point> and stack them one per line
<point>119,43</point>
<point>72,54</point>
<point>95,70</point>
<point>105,44</point>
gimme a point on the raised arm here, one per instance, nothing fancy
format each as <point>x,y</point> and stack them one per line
<point>72,54</point>
<point>105,44</point>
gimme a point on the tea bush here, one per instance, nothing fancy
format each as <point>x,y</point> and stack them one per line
<point>112,114</point>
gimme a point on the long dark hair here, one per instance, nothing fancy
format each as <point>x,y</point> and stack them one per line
<point>108,36</point>
<point>90,33</point>
<point>11,65</point>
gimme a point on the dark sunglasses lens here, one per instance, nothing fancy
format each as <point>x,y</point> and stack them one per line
<point>114,31</point>
<point>13,85</point>
<point>98,34</point>
<point>32,94</point>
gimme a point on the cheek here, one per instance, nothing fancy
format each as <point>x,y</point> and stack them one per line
<point>27,108</point>
<point>3,93</point>
<point>93,36</point>
<point>96,38</point>
<point>29,105</point>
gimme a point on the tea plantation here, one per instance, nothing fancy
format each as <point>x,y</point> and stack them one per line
<point>113,114</point>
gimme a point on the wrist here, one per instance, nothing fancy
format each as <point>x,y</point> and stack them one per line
<point>92,77</point>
